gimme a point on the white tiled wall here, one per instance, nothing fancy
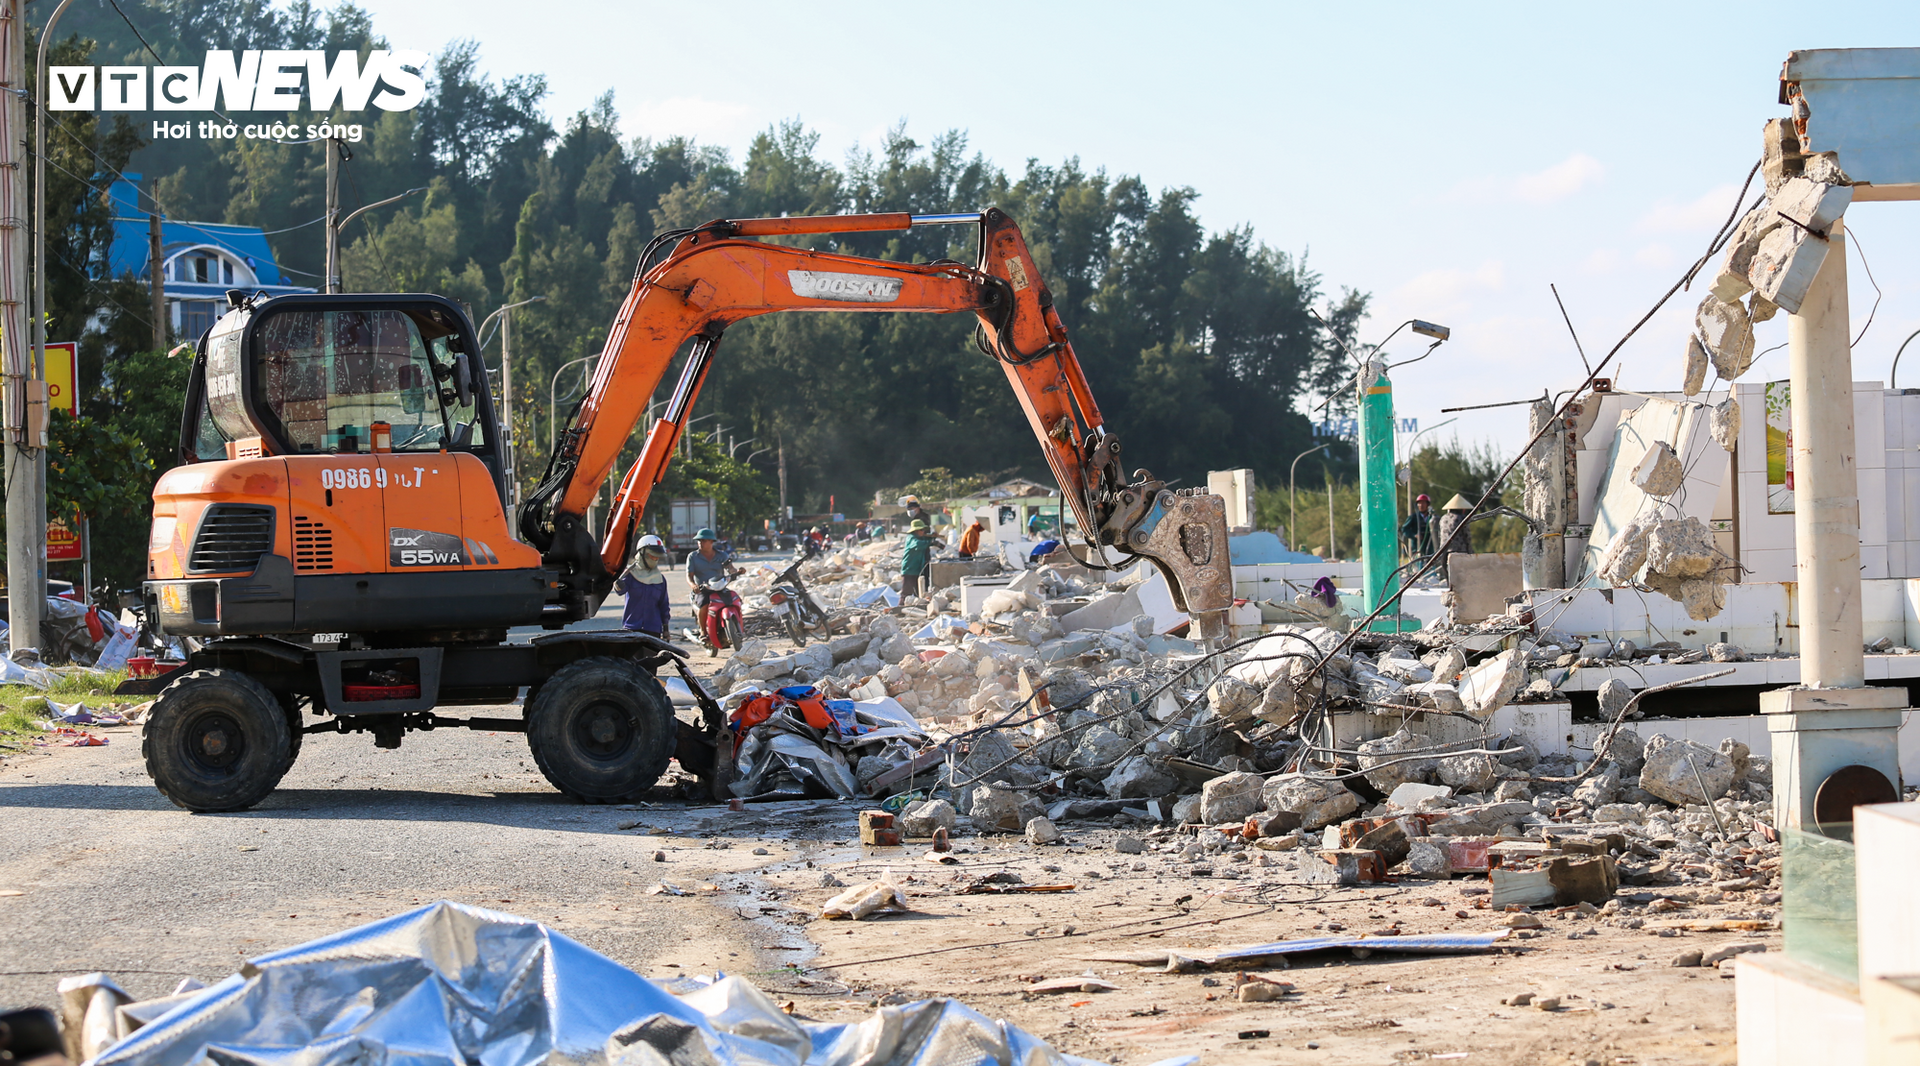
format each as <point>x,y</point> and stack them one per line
<point>1887,431</point>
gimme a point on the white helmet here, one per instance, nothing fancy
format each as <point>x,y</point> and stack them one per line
<point>650,541</point>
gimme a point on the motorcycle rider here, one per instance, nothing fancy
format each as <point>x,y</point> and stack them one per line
<point>645,586</point>
<point>706,562</point>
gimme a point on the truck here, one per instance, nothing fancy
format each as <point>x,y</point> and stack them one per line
<point>685,518</point>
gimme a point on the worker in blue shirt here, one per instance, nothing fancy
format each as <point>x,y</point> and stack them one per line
<point>645,586</point>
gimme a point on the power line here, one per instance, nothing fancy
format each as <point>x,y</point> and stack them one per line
<point>157,59</point>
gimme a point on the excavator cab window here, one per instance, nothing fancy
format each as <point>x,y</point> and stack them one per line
<point>311,374</point>
<point>328,375</point>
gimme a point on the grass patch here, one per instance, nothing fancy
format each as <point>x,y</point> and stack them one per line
<point>22,708</point>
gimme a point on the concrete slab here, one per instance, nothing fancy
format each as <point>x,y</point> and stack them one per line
<point>1482,583</point>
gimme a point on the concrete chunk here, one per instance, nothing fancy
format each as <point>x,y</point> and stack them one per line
<point>1382,760</point>
<point>1670,770</point>
<point>1784,267</point>
<point>1813,204</point>
<point>1231,798</point>
<point>1696,369</point>
<point>1493,684</point>
<point>1412,794</point>
<point>1725,423</point>
<point>1316,802</point>
<point>1727,333</point>
<point>1659,472</point>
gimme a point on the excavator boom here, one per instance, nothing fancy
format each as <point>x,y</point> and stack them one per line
<point>718,274</point>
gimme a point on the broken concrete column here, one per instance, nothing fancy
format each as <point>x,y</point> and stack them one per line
<point>1783,269</point>
<point>1659,472</point>
<point>1782,158</point>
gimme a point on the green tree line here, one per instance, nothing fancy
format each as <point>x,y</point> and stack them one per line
<point>1198,342</point>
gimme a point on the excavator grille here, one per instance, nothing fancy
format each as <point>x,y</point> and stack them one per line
<point>233,536</point>
<point>312,544</point>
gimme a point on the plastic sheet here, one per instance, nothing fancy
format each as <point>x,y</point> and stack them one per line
<point>449,984</point>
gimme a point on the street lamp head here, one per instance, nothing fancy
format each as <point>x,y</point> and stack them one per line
<point>1430,329</point>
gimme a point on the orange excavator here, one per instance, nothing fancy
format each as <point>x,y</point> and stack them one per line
<point>336,539</point>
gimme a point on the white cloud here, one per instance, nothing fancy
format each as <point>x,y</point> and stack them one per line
<point>715,122</point>
<point>1656,256</point>
<point>1442,288</point>
<point>1705,212</point>
<point>1557,182</point>
<point>1602,261</point>
<point>1560,180</point>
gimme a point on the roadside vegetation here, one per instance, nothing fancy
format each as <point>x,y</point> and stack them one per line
<point>23,709</point>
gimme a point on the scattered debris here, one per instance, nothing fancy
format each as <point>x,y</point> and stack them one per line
<point>865,901</point>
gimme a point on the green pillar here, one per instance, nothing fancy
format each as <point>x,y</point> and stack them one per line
<point>1379,495</point>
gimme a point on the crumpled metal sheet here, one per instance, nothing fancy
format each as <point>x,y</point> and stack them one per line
<point>454,985</point>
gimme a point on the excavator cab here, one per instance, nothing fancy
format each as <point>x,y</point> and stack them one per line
<point>342,473</point>
<point>312,375</point>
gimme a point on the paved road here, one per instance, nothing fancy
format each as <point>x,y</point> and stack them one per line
<point>113,877</point>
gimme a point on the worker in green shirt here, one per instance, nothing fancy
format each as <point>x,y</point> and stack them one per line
<point>913,564</point>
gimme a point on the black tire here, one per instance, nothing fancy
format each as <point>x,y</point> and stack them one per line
<point>735,638</point>
<point>601,730</point>
<point>290,703</point>
<point>217,740</point>
<point>795,630</point>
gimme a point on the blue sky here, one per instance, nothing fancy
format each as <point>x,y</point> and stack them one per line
<point>1452,160</point>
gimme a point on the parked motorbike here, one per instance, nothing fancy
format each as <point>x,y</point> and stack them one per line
<point>723,615</point>
<point>798,610</point>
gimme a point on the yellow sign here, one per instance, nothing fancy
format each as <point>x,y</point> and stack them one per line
<point>63,391</point>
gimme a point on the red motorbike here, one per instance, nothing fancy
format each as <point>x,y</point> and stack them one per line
<point>723,628</point>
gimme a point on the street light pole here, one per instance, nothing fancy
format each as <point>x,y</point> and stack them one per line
<point>506,389</point>
<point>553,409</point>
<point>1410,453</point>
<point>334,229</point>
<point>1293,514</point>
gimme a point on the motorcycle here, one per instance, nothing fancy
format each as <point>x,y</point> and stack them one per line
<point>798,609</point>
<point>723,629</point>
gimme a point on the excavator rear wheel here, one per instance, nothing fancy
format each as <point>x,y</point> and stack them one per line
<point>217,740</point>
<point>601,730</point>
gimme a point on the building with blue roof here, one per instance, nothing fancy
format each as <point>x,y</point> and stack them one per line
<point>200,261</point>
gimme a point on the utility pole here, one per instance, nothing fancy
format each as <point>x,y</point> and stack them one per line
<point>25,474</point>
<point>332,283</point>
<point>156,282</point>
<point>784,513</point>
<point>506,405</point>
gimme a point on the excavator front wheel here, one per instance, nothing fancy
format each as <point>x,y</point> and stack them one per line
<point>217,740</point>
<point>601,730</point>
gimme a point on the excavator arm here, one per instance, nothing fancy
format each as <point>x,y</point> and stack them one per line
<point>719,273</point>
